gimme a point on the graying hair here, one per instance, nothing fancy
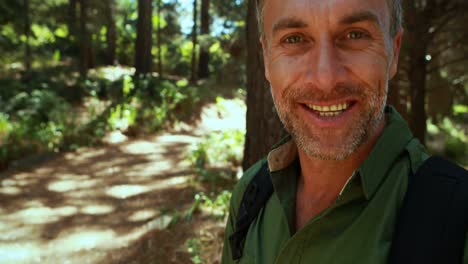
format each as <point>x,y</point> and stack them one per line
<point>396,16</point>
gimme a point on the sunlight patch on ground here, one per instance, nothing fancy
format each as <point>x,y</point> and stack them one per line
<point>85,154</point>
<point>97,209</point>
<point>159,223</point>
<point>8,182</point>
<point>140,147</point>
<point>126,191</point>
<point>142,215</point>
<point>43,215</point>
<point>106,171</point>
<point>8,190</point>
<point>17,253</point>
<point>23,176</point>
<point>169,183</point>
<point>41,171</point>
<point>114,138</point>
<point>154,169</point>
<point>175,139</point>
<point>83,239</point>
<point>70,185</point>
<point>15,232</point>
<point>225,115</point>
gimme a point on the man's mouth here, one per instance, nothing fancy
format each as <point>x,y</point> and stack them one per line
<point>329,110</point>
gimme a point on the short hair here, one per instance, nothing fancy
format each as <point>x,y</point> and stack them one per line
<point>396,16</point>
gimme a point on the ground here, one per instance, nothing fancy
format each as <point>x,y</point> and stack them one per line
<point>112,204</point>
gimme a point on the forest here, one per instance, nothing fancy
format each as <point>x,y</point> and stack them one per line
<point>124,124</point>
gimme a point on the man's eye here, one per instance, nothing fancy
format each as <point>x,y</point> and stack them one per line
<point>293,39</point>
<point>356,35</point>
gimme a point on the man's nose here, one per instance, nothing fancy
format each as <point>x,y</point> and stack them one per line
<point>324,67</point>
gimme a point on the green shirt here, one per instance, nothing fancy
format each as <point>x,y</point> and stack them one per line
<point>357,228</point>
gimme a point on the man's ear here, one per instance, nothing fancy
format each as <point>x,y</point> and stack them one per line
<point>265,56</point>
<point>396,47</point>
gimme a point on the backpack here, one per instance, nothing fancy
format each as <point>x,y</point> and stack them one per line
<point>431,225</point>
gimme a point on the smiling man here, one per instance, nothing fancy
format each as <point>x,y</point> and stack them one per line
<point>339,180</point>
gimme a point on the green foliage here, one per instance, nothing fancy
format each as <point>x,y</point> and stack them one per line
<point>453,137</point>
<point>193,246</point>
<point>34,122</point>
<point>459,109</point>
<point>218,150</point>
<point>122,116</point>
<point>217,206</point>
<point>171,101</point>
<point>223,148</point>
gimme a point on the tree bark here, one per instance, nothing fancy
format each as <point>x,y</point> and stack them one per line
<point>417,26</point>
<point>143,57</point>
<point>204,58</point>
<point>84,39</point>
<point>160,62</point>
<point>264,128</point>
<point>194,77</point>
<point>27,32</point>
<point>111,35</point>
<point>71,20</point>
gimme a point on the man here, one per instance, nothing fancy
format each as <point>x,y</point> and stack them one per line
<point>340,178</point>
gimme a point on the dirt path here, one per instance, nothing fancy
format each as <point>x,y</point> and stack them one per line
<point>109,204</point>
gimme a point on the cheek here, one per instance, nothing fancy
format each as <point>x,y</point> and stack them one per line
<point>368,67</point>
<point>284,72</point>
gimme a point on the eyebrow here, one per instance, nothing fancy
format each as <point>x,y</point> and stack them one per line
<point>361,16</point>
<point>295,22</point>
<point>288,23</point>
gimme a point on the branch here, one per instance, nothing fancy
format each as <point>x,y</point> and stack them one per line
<point>447,45</point>
<point>448,63</point>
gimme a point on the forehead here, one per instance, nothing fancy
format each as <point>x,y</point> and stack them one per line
<point>320,11</point>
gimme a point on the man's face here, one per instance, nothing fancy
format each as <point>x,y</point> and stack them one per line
<point>328,63</point>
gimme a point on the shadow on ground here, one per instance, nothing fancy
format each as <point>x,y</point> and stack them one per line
<point>98,204</point>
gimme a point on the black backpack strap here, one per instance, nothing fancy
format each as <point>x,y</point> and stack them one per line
<point>256,195</point>
<point>432,223</point>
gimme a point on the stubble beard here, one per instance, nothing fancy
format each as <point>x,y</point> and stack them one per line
<point>325,144</point>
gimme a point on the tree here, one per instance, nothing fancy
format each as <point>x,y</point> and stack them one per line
<point>27,32</point>
<point>111,36</point>
<point>160,62</point>
<point>193,68</point>
<point>71,19</point>
<point>426,22</point>
<point>143,57</point>
<point>204,57</point>
<point>85,40</point>
<point>264,128</point>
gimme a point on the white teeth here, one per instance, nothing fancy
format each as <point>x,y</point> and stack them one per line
<point>329,114</point>
<point>331,108</point>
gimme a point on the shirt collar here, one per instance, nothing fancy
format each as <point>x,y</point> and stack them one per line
<point>395,136</point>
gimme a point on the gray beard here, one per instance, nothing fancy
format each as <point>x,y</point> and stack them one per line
<point>312,144</point>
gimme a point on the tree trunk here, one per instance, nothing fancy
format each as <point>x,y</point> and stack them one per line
<point>111,35</point>
<point>417,26</point>
<point>71,20</point>
<point>263,126</point>
<point>160,62</point>
<point>417,79</point>
<point>396,95</point>
<point>84,39</point>
<point>204,59</point>
<point>143,57</point>
<point>193,77</point>
<point>27,32</point>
